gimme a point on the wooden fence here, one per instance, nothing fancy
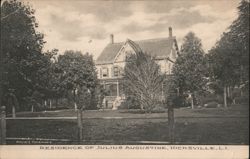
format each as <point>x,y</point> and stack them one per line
<point>80,140</point>
<point>3,137</point>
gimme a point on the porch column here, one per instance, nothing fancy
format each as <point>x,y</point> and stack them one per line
<point>117,88</point>
<point>104,87</point>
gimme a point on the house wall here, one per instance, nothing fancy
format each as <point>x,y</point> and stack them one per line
<point>116,88</point>
<point>100,69</point>
<point>119,62</point>
<point>165,65</point>
<point>110,67</point>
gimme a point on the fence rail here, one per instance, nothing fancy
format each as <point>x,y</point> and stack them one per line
<point>118,118</point>
<point>41,118</point>
<point>79,120</point>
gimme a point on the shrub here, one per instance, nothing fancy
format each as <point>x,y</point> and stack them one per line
<point>242,100</point>
<point>211,98</point>
<point>179,102</point>
<point>130,103</point>
<point>211,105</point>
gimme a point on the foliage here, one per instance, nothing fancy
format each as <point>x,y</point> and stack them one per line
<point>190,68</point>
<point>22,60</point>
<point>77,74</point>
<point>142,77</point>
<point>35,76</point>
<point>131,102</point>
<point>224,64</point>
<point>229,58</point>
<point>240,33</point>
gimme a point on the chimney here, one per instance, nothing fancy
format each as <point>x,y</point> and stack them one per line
<point>111,39</point>
<point>170,32</point>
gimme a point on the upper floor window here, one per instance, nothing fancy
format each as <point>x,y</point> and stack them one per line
<point>116,71</point>
<point>105,72</point>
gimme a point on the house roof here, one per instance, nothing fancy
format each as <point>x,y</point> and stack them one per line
<point>160,47</point>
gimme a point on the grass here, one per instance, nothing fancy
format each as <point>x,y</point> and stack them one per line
<point>199,126</point>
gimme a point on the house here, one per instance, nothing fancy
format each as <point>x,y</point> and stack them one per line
<point>112,60</point>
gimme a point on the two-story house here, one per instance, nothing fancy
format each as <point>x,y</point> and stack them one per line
<point>112,60</point>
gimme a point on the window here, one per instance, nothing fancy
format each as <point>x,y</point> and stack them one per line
<point>105,72</point>
<point>116,71</point>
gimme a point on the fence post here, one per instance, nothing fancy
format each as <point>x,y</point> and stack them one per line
<point>3,126</point>
<point>171,123</point>
<point>79,125</point>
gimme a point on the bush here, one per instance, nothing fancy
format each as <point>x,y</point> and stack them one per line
<point>179,102</point>
<point>123,105</point>
<point>130,103</point>
<point>242,100</point>
<point>211,105</point>
<point>211,98</point>
<point>160,108</point>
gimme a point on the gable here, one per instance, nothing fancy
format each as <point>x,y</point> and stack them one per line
<point>128,48</point>
<point>125,50</point>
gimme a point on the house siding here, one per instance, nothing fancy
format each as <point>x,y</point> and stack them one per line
<point>114,83</point>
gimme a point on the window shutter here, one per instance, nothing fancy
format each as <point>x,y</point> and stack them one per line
<point>100,72</point>
<point>112,71</point>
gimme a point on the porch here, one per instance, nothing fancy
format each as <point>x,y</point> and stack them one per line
<point>114,90</point>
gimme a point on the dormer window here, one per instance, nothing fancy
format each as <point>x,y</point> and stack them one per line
<point>105,72</point>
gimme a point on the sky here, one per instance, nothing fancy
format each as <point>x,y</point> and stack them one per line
<point>86,25</point>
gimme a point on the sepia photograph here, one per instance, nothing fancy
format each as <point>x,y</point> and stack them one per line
<point>110,73</point>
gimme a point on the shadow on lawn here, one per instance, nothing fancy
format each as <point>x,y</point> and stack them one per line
<point>125,131</point>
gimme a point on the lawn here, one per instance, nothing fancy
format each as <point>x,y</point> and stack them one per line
<point>199,126</point>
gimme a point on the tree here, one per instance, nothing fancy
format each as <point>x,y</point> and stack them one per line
<point>142,77</point>
<point>224,64</point>
<point>190,69</point>
<point>239,32</point>
<point>52,89</point>
<point>229,58</point>
<point>78,75</point>
<point>21,50</point>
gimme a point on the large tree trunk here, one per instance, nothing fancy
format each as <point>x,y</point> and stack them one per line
<point>13,111</point>
<point>225,96</point>
<point>45,103</point>
<point>192,101</point>
<point>50,103</point>
<point>75,105</point>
